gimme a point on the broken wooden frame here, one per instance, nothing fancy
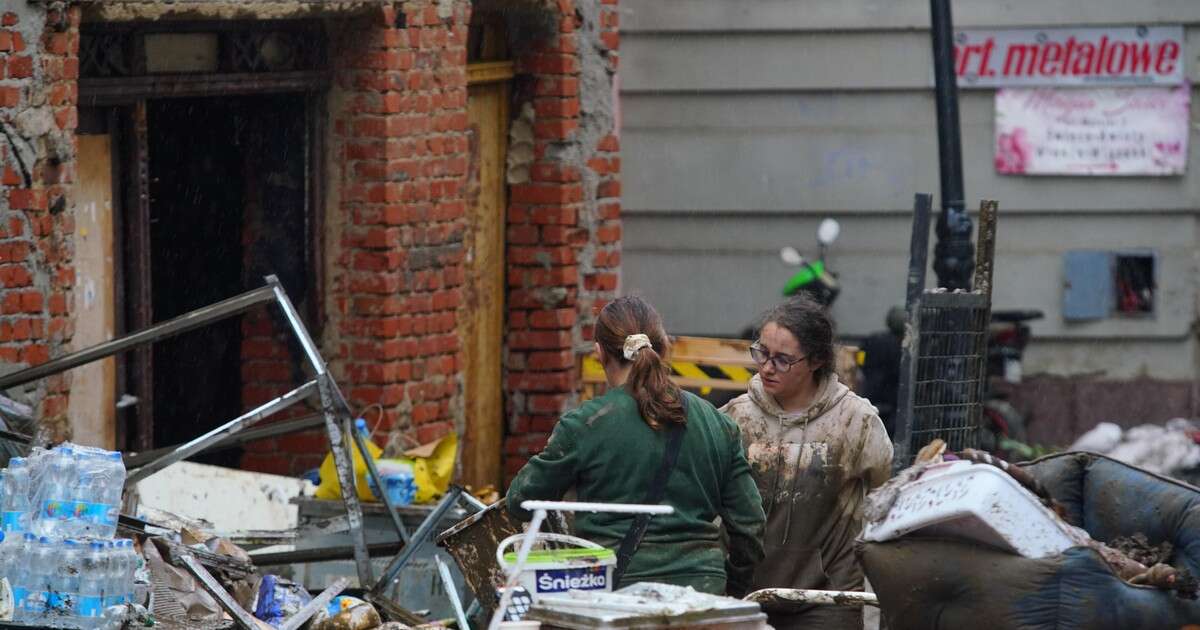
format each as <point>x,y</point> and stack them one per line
<point>943,359</point>
<point>335,411</point>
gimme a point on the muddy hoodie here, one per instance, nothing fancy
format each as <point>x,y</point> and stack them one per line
<point>813,468</point>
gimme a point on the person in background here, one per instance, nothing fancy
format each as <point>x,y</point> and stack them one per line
<point>816,448</point>
<point>611,449</point>
<point>881,367</point>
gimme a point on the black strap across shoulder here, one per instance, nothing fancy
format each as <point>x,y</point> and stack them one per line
<point>654,495</point>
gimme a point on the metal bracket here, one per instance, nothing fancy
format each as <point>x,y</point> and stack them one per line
<point>345,473</point>
<point>418,539</point>
<point>243,619</point>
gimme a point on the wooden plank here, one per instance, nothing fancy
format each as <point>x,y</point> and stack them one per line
<point>482,315</point>
<point>92,407</point>
<point>712,351</point>
<point>490,72</point>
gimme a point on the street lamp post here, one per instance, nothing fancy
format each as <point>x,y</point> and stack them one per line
<point>954,254</point>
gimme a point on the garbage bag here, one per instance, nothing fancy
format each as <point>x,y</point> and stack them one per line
<point>279,599</point>
<point>433,467</point>
<point>330,487</point>
<point>935,582</point>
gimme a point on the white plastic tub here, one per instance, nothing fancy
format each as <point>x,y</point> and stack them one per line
<point>977,502</point>
<point>585,566</point>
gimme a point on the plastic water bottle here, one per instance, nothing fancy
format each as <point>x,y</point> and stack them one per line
<point>42,569</point>
<point>19,575</point>
<point>64,591</point>
<point>114,591</point>
<point>14,517</point>
<point>110,496</point>
<point>131,563</point>
<point>6,558</point>
<point>56,505</point>
<point>95,578</point>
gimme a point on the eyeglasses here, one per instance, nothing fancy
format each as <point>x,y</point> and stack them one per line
<point>781,362</point>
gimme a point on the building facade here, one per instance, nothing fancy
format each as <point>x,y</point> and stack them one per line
<point>435,183</point>
<point>747,123</point>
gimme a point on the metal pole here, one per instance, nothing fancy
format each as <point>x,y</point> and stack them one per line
<point>216,435</point>
<point>321,601</point>
<point>169,328</point>
<point>303,423</point>
<point>346,481</point>
<point>373,472</point>
<point>243,619</point>
<point>918,260</point>
<point>293,317</point>
<point>531,533</point>
<point>954,253</point>
<point>423,532</point>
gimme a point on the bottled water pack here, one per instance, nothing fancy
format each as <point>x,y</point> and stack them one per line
<point>70,582</point>
<point>58,517</point>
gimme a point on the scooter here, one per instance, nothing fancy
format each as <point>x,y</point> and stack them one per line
<point>813,278</point>
<point>1008,335</point>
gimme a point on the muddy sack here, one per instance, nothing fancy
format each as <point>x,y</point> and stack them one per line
<point>935,582</point>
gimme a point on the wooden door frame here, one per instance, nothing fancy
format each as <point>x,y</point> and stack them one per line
<point>483,456</point>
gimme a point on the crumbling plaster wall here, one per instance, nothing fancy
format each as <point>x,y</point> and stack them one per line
<point>39,65</point>
<point>564,225</point>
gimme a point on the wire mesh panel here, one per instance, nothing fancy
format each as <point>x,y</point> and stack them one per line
<point>943,360</point>
<point>950,370</point>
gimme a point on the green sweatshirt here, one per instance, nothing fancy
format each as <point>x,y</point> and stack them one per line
<point>608,454</point>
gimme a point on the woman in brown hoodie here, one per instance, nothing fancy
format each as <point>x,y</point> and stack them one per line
<point>815,449</point>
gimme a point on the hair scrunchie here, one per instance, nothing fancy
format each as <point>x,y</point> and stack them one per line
<point>634,343</point>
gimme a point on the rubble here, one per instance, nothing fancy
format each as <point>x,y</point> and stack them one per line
<point>1171,449</point>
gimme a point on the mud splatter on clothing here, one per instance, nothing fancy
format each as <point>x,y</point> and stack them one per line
<point>813,469</point>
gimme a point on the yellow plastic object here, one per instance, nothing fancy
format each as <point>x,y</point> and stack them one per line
<point>331,489</point>
<point>433,467</point>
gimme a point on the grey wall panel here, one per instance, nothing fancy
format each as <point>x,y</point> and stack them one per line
<point>844,152</point>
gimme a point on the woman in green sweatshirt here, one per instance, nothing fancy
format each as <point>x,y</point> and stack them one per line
<point>610,449</point>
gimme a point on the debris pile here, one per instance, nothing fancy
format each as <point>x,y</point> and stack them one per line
<point>944,492</point>
<point>1172,449</point>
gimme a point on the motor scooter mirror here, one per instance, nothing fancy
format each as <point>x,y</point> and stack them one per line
<point>790,256</point>
<point>828,232</point>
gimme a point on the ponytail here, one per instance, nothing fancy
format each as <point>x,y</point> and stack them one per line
<point>630,330</point>
<point>659,399</point>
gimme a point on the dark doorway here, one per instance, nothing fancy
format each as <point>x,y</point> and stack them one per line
<point>227,206</point>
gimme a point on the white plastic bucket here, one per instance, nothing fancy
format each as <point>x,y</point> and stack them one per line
<point>584,567</point>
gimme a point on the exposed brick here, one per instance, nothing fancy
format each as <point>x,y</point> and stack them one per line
<point>9,96</point>
<point>20,67</point>
<point>559,318</point>
<point>559,360</point>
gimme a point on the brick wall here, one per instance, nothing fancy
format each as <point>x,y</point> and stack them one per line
<point>564,225</point>
<point>38,66</point>
<point>396,219</point>
<point>400,160</point>
<point>397,164</point>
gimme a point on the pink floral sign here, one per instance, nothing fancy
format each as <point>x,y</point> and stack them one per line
<point>1117,131</point>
